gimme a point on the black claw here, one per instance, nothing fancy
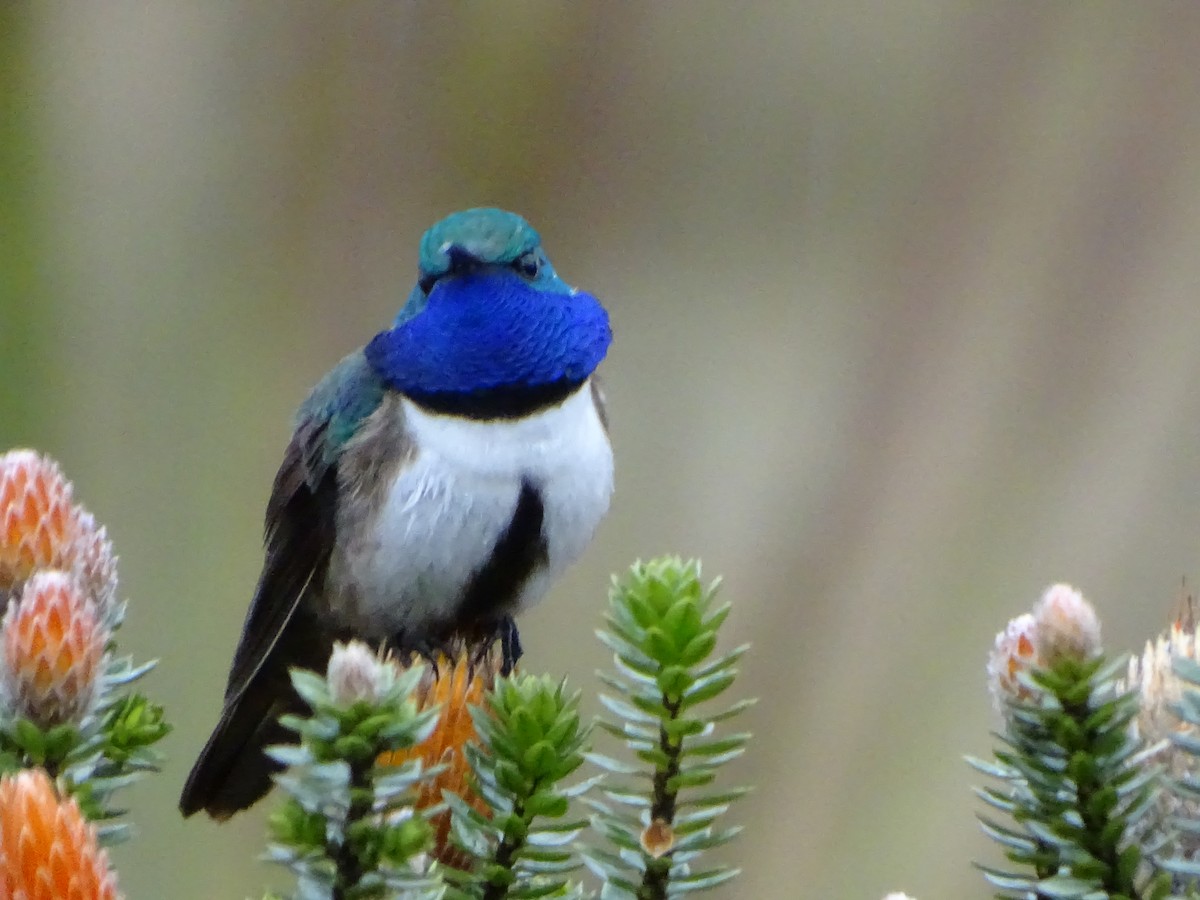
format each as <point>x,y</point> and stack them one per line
<point>423,649</point>
<point>510,645</point>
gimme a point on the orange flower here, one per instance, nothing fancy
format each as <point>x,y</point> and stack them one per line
<point>458,685</point>
<point>53,642</point>
<point>48,851</point>
<point>38,523</point>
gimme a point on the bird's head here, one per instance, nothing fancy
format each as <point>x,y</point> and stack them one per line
<point>488,309</point>
<point>478,238</point>
<point>478,241</point>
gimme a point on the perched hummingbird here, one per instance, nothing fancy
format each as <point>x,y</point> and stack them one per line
<point>438,480</point>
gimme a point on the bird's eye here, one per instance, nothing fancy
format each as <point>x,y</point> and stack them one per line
<point>528,265</point>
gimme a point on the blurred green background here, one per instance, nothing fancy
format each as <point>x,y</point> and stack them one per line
<point>907,310</point>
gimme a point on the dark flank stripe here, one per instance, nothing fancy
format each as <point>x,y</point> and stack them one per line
<point>518,553</point>
<point>507,402</point>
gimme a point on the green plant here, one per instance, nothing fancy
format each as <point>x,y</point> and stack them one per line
<point>512,833</point>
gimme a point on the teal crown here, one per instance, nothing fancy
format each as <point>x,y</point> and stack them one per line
<point>486,234</point>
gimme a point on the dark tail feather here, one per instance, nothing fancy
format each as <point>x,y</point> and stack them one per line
<point>232,772</point>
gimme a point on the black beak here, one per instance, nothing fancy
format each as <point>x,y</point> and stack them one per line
<point>461,260</point>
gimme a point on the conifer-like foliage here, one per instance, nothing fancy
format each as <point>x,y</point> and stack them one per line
<point>531,739</point>
<point>97,756</point>
<point>347,829</point>
<point>1076,783</point>
<point>1074,788</point>
<point>659,812</point>
<point>355,825</point>
<point>1182,860</point>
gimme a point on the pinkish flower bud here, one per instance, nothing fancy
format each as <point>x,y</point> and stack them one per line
<point>356,673</point>
<point>94,564</point>
<point>1013,653</point>
<point>1065,626</point>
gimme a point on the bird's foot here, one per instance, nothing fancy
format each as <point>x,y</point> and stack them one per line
<point>476,646</point>
<point>424,649</point>
<point>505,631</point>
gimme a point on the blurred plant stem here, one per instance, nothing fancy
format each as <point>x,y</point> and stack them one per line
<point>25,310</point>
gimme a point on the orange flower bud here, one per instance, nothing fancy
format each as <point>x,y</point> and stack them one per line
<point>48,851</point>
<point>53,643</point>
<point>38,522</point>
<point>458,685</point>
<point>658,838</point>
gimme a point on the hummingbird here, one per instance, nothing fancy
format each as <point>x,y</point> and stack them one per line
<point>437,482</point>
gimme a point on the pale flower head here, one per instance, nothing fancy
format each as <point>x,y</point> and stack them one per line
<point>1153,676</point>
<point>358,674</point>
<point>1014,652</point>
<point>1065,626</point>
<point>95,566</point>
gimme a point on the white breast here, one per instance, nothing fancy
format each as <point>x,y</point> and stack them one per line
<point>445,511</point>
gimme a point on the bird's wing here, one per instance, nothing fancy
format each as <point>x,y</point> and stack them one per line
<point>301,513</point>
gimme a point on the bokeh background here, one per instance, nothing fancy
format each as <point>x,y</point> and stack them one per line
<point>907,310</point>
